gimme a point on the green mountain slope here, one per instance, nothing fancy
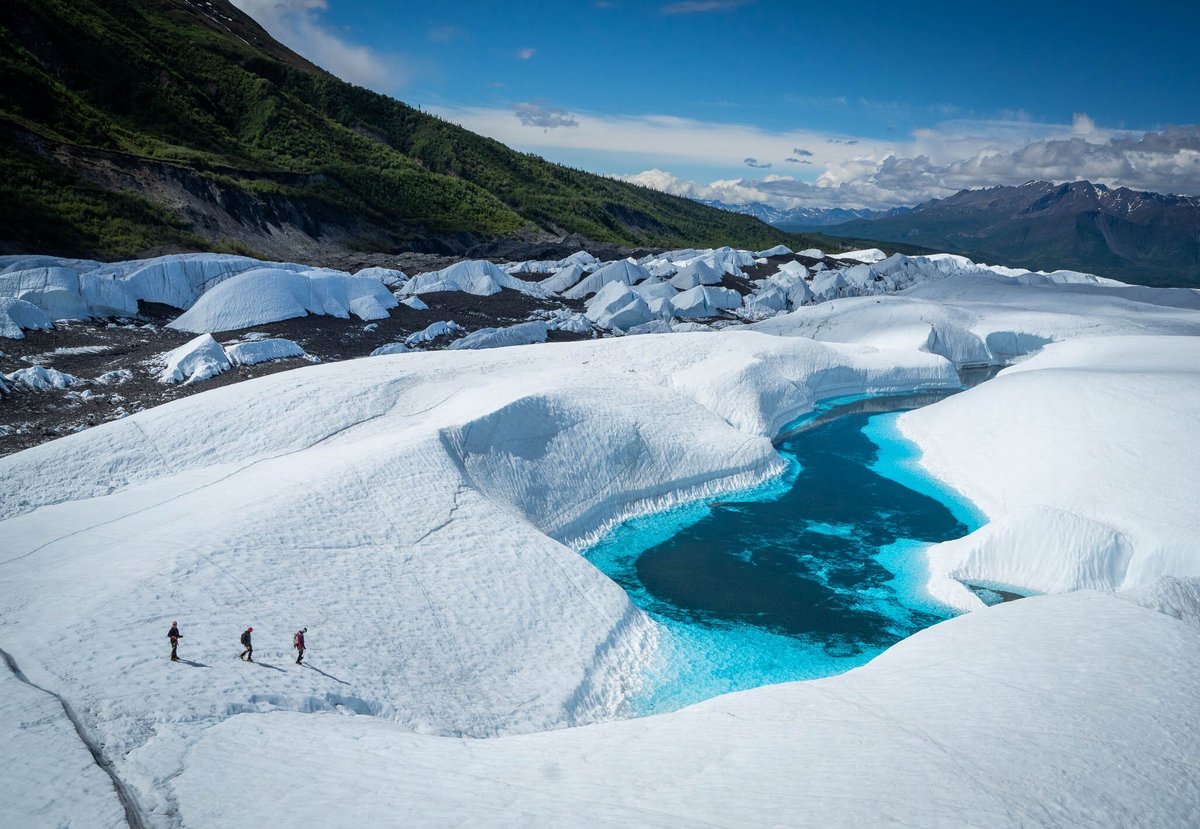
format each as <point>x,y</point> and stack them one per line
<point>130,124</point>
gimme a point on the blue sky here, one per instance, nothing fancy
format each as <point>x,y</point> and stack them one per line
<point>873,103</point>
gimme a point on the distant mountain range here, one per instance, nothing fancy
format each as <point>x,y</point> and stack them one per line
<point>801,217</point>
<point>1146,238</point>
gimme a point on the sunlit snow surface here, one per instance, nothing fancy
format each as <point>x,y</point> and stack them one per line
<point>811,575</point>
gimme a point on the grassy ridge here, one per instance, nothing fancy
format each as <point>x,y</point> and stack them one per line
<point>154,85</point>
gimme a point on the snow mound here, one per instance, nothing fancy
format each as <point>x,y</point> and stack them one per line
<point>194,361</point>
<point>432,331</point>
<point>390,348</point>
<point>42,378</point>
<point>1033,549</point>
<point>705,301</point>
<point>415,303</point>
<point>622,271</point>
<point>657,326</point>
<point>1062,711</point>
<point>765,302</point>
<point>1174,597</point>
<point>523,333</point>
<point>267,295</point>
<point>581,259</point>
<point>114,378</point>
<point>262,351</point>
<point>80,289</point>
<point>390,277</point>
<point>58,292</point>
<point>569,321</point>
<point>565,279</point>
<point>695,274</point>
<point>979,317</point>
<point>615,305</point>
<point>778,250</point>
<point>475,276</point>
<point>18,316</point>
<point>867,255</point>
<point>25,262</point>
<point>501,457</point>
<point>1076,456</point>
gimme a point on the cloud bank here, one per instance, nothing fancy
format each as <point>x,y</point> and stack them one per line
<point>845,171</point>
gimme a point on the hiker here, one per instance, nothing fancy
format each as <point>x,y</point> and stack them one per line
<point>298,644</point>
<point>248,653</point>
<point>174,635</point>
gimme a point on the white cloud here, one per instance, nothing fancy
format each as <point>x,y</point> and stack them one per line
<point>702,6</point>
<point>662,139</point>
<point>446,34</point>
<point>864,172</point>
<point>525,54</point>
<point>545,117</point>
<point>1166,162</point>
<point>298,25</point>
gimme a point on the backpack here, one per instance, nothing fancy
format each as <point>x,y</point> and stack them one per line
<point>296,640</point>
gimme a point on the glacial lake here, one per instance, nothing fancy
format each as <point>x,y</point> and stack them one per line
<point>808,576</point>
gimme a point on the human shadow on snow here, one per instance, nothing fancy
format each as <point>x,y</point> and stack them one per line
<point>269,665</point>
<point>322,673</point>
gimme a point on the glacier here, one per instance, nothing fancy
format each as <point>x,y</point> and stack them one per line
<point>421,513</point>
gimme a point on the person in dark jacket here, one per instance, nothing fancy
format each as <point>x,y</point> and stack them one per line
<point>248,653</point>
<point>298,644</point>
<point>174,635</point>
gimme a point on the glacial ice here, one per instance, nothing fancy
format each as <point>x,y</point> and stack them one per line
<point>265,295</point>
<point>196,360</point>
<point>419,515</point>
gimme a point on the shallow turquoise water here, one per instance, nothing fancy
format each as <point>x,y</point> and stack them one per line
<point>809,576</point>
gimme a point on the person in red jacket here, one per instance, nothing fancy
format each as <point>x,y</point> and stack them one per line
<point>174,635</point>
<point>298,644</point>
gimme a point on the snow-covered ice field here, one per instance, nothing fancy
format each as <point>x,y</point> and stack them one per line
<point>420,513</point>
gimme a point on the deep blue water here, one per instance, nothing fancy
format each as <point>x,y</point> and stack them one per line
<point>806,577</point>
